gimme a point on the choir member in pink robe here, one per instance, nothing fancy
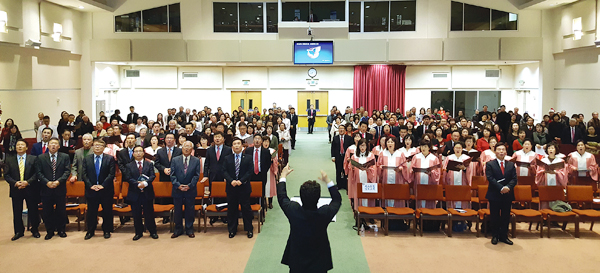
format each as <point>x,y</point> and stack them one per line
<point>407,151</point>
<point>379,148</point>
<point>525,155</point>
<point>457,178</point>
<point>361,175</point>
<point>425,159</point>
<point>350,151</point>
<point>271,187</point>
<point>475,167</point>
<point>489,154</point>
<point>545,177</point>
<point>582,163</point>
<point>390,164</point>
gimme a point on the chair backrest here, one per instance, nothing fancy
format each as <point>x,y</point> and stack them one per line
<point>580,194</point>
<point>588,181</point>
<point>458,193</point>
<point>76,189</point>
<point>117,185</point>
<point>430,192</point>
<point>218,189</point>
<point>523,193</point>
<point>363,195</point>
<point>551,193</point>
<point>200,189</point>
<point>396,191</point>
<point>162,189</point>
<point>527,180</point>
<point>482,189</point>
<point>256,189</point>
<point>124,189</point>
<point>280,150</point>
<point>478,180</point>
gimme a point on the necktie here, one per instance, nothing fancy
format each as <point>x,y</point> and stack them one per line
<point>237,165</point>
<point>218,152</point>
<point>53,167</point>
<point>502,167</point>
<point>169,153</point>
<point>140,166</point>
<point>22,168</point>
<point>43,148</point>
<point>185,165</point>
<point>97,165</point>
<point>65,144</point>
<point>130,153</point>
<point>572,134</point>
<point>341,145</point>
<point>256,171</point>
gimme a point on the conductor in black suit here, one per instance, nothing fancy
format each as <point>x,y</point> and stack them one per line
<point>98,175</point>
<point>141,193</point>
<point>261,163</point>
<point>293,126</point>
<point>237,170</point>
<point>502,178</point>
<point>185,173</point>
<point>307,248</point>
<point>21,174</point>
<point>340,143</point>
<point>54,169</point>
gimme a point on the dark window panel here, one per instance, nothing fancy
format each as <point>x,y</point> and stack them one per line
<point>251,17</point>
<point>403,15</point>
<point>129,22</point>
<point>294,11</point>
<point>328,11</point>
<point>376,16</point>
<point>477,18</point>
<point>174,18</point>
<point>504,20</point>
<point>456,16</point>
<point>225,17</point>
<point>355,15</point>
<point>155,20</point>
<point>272,18</point>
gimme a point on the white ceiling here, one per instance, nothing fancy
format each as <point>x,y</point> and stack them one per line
<point>89,5</point>
<point>436,63</point>
<point>540,4</point>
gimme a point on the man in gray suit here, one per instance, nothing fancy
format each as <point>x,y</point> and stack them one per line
<point>185,173</point>
<point>77,164</point>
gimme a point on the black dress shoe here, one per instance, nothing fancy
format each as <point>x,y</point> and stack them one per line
<point>250,234</point>
<point>507,241</point>
<point>49,236</point>
<point>106,235</point>
<point>137,237</point>
<point>17,236</point>
<point>175,235</point>
<point>88,236</point>
<point>213,220</point>
<point>154,236</point>
<point>494,240</point>
<point>166,220</point>
<point>36,234</point>
<point>62,234</point>
<point>231,235</point>
<point>191,235</point>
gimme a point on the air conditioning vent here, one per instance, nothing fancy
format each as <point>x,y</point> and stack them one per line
<point>190,75</point>
<point>129,73</point>
<point>492,73</point>
<point>440,75</point>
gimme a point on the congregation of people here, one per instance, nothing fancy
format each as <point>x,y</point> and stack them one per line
<point>189,149</point>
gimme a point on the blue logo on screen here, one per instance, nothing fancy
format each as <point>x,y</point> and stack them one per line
<point>313,52</point>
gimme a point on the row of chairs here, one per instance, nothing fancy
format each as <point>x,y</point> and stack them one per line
<point>580,196</point>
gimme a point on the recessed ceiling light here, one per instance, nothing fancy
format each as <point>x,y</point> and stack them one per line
<point>80,7</point>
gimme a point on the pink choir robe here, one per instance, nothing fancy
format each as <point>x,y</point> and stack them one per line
<point>377,151</point>
<point>359,176</point>
<point>349,153</point>
<point>459,178</point>
<point>476,168</point>
<point>406,170</point>
<point>271,187</point>
<point>433,178</point>
<point>390,175</point>
<point>559,178</point>
<point>529,157</point>
<point>585,165</point>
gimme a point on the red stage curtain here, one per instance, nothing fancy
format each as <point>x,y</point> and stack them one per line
<point>379,85</point>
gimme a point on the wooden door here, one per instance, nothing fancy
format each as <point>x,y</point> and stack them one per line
<point>320,100</point>
<point>246,99</point>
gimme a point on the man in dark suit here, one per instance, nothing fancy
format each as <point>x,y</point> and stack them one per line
<point>261,163</point>
<point>163,158</point>
<point>307,248</point>
<point>449,146</point>
<point>67,144</point>
<point>53,171</point>
<point>98,175</point>
<point>420,132</point>
<point>293,125</point>
<point>42,146</point>
<point>139,176</point>
<point>21,174</point>
<point>237,170</point>
<point>215,156</point>
<point>529,128</point>
<point>502,178</point>
<point>132,116</point>
<point>362,129</point>
<point>185,173</point>
<point>125,155</point>
<point>503,120</point>
<point>571,134</point>
<point>312,114</point>
<point>340,143</point>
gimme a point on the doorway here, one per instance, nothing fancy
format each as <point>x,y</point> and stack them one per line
<point>320,100</point>
<point>246,99</point>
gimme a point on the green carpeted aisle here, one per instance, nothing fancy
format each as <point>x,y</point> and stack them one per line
<point>312,154</point>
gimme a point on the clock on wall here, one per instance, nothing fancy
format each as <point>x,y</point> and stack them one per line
<point>312,72</point>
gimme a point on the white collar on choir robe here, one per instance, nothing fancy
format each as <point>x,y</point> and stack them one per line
<point>547,160</point>
<point>585,155</point>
